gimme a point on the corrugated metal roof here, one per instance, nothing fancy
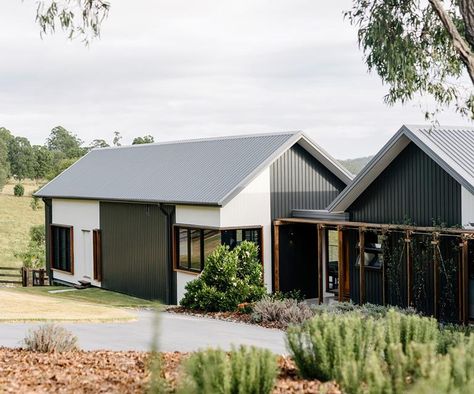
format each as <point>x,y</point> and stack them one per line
<point>205,171</point>
<point>452,148</point>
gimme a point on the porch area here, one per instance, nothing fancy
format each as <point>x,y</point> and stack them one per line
<point>430,269</point>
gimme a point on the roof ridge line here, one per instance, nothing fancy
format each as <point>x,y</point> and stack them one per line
<point>204,139</point>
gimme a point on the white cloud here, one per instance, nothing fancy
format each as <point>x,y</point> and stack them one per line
<point>182,68</point>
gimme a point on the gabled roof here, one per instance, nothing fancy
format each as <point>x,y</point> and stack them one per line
<point>198,172</point>
<point>452,148</point>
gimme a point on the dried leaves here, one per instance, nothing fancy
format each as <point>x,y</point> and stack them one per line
<point>22,371</point>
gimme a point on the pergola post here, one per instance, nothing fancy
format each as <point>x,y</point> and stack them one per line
<point>276,256</point>
<point>362,266</point>
<point>465,281</point>
<point>320,230</point>
<point>340,263</point>
<point>409,263</point>
<point>435,242</point>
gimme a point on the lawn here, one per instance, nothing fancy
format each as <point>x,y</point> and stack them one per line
<point>16,219</point>
<point>91,296</point>
<point>27,306</point>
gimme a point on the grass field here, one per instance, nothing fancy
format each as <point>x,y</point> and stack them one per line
<point>91,296</point>
<point>20,305</point>
<point>16,218</point>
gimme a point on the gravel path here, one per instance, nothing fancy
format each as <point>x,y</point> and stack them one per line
<point>176,333</point>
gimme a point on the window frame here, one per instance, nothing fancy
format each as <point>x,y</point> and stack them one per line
<point>71,248</point>
<point>175,243</point>
<point>97,254</point>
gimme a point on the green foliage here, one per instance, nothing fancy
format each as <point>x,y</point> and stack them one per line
<point>65,144</point>
<point>4,164</point>
<point>407,45</point>
<point>50,338</point>
<point>117,139</point>
<point>147,139</point>
<point>288,295</point>
<point>364,354</point>
<point>98,143</point>
<point>21,158</point>
<point>229,278</point>
<point>59,167</point>
<point>452,373</point>
<point>34,256</point>
<point>43,162</point>
<point>242,371</point>
<point>19,190</point>
<point>78,18</point>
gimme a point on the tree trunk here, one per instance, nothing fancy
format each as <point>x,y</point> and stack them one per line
<point>460,44</point>
<point>466,7</point>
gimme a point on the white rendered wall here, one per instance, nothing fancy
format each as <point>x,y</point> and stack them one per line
<point>467,207</point>
<point>198,215</point>
<point>182,278</point>
<point>82,215</point>
<point>252,207</point>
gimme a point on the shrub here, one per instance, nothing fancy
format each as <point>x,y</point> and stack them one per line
<point>362,353</point>
<point>366,310</point>
<point>452,373</point>
<point>243,370</point>
<point>34,256</point>
<point>288,295</point>
<point>229,278</point>
<point>18,190</point>
<point>284,312</point>
<point>50,338</point>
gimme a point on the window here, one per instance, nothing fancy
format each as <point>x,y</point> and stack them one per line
<point>62,248</point>
<point>97,251</point>
<point>194,245</point>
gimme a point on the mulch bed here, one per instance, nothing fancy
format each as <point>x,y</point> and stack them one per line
<point>235,317</point>
<point>22,371</point>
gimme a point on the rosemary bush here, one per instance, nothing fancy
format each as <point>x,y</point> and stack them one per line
<point>50,338</point>
<point>243,371</point>
<point>283,312</point>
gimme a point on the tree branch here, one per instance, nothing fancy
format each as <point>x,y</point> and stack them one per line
<point>460,44</point>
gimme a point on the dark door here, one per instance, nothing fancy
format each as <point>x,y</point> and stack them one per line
<point>299,259</point>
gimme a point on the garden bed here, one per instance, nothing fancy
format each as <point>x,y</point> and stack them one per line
<point>112,372</point>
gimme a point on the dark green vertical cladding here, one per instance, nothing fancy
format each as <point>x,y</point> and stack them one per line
<point>299,181</point>
<point>48,219</point>
<point>136,250</point>
<point>412,188</point>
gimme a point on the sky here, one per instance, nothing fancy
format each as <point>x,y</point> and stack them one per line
<point>181,69</point>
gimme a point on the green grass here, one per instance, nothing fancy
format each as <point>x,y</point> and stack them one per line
<point>16,219</point>
<point>92,296</point>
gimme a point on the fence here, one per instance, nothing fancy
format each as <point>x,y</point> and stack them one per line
<point>10,275</point>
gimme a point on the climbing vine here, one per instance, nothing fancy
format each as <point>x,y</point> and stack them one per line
<point>393,249</point>
<point>447,252</point>
<point>422,259</point>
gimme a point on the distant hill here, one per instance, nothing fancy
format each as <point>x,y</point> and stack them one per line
<point>355,165</point>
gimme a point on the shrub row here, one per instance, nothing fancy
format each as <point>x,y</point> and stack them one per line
<point>385,355</point>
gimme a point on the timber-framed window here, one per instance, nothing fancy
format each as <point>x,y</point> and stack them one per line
<point>192,245</point>
<point>62,248</point>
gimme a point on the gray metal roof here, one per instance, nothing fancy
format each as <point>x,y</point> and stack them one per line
<point>452,148</point>
<point>205,172</point>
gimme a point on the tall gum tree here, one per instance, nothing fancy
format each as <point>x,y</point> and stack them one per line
<point>419,47</point>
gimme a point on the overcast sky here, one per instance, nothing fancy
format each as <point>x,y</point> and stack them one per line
<point>195,68</point>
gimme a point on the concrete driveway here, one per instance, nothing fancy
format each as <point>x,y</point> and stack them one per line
<point>176,333</point>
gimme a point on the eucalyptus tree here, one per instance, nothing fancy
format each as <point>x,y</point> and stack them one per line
<point>419,47</point>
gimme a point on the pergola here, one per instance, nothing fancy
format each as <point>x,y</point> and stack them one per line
<point>407,234</point>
